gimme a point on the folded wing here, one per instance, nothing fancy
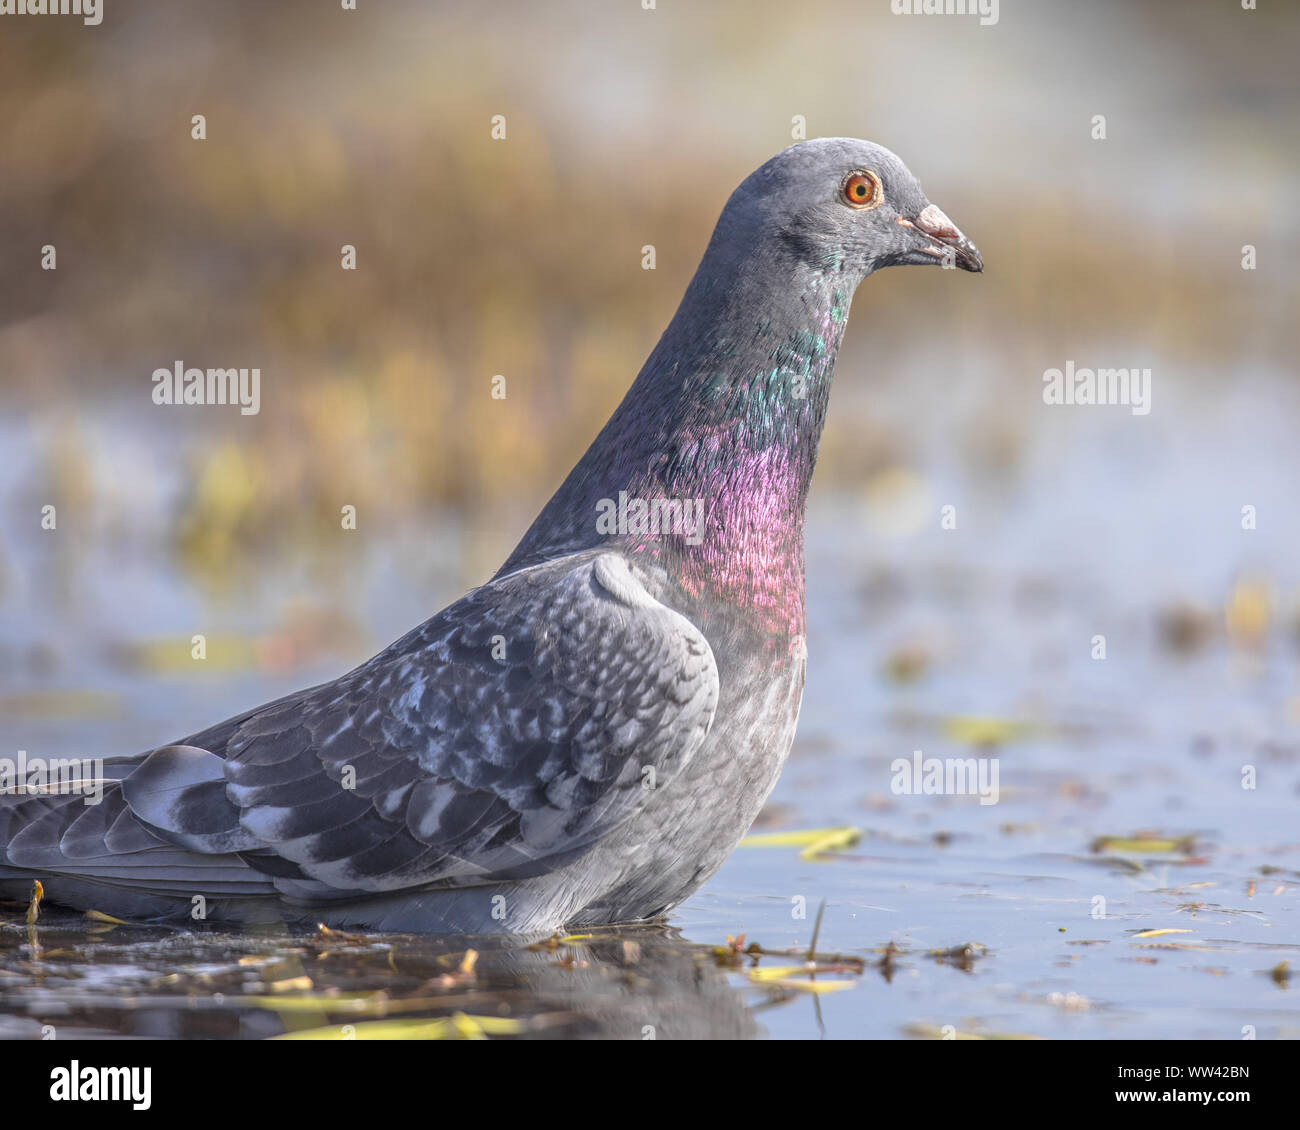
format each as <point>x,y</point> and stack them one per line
<point>498,740</point>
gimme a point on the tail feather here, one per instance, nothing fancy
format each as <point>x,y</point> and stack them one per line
<point>103,856</point>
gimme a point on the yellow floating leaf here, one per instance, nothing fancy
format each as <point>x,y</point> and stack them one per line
<point>459,1026</point>
<point>100,916</point>
<point>290,984</point>
<point>815,987</point>
<point>373,1005</point>
<point>1154,845</point>
<point>814,841</point>
<point>326,932</point>
<point>833,840</point>
<point>976,731</point>
<point>1248,610</point>
<point>795,977</point>
<point>775,972</point>
<point>787,839</point>
<point>1161,933</point>
<point>34,907</point>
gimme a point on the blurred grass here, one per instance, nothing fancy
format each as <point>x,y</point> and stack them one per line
<point>479,258</point>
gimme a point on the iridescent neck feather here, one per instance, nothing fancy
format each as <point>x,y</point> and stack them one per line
<point>705,465</point>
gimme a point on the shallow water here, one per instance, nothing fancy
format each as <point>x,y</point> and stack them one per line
<point>944,915</point>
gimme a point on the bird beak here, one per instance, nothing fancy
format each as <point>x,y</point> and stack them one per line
<point>946,241</point>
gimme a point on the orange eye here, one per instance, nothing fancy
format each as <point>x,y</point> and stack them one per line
<point>862,189</point>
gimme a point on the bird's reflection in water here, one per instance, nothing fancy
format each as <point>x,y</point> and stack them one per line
<point>102,979</point>
<point>645,983</point>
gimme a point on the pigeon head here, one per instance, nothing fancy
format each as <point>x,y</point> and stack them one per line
<point>728,409</point>
<point>844,205</point>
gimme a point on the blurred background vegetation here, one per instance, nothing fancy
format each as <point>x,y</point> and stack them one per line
<point>522,257</point>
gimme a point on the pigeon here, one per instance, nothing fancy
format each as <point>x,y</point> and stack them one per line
<point>584,739</point>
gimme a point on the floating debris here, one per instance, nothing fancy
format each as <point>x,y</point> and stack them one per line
<point>1248,611</point>
<point>816,842</point>
<point>1147,843</point>
<point>984,733</point>
<point>735,949</point>
<point>1118,863</point>
<point>962,956</point>
<point>907,664</point>
<point>792,977</point>
<point>1185,628</point>
<point>461,975</point>
<point>291,985</point>
<point>1071,1002</point>
<point>929,1032</point>
<point>887,963</point>
<point>458,1026</point>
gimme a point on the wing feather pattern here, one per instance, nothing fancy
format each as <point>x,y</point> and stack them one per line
<point>498,740</point>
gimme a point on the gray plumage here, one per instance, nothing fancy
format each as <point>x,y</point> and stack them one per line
<point>584,738</point>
